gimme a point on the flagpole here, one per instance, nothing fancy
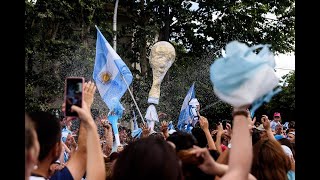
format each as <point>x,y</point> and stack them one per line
<point>133,98</point>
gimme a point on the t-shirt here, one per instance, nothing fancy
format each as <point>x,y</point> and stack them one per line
<point>58,175</point>
<point>64,174</point>
<point>223,147</point>
<point>273,125</point>
<point>35,177</point>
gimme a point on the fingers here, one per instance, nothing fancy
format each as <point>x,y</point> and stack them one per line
<point>225,131</point>
<point>75,108</point>
<point>254,120</point>
<point>199,151</point>
<point>91,87</point>
<point>63,108</point>
<point>228,126</point>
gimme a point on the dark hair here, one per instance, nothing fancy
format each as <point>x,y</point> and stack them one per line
<point>198,133</point>
<point>114,156</point>
<point>157,135</point>
<point>185,141</point>
<point>182,140</point>
<point>255,136</point>
<point>286,142</point>
<point>48,130</point>
<point>147,158</point>
<point>292,124</point>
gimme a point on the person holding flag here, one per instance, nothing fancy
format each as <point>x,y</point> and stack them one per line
<point>112,77</point>
<point>189,114</point>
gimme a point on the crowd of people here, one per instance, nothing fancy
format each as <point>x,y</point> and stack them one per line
<point>247,148</point>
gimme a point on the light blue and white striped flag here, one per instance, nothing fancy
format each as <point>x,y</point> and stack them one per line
<point>185,116</point>
<point>107,72</point>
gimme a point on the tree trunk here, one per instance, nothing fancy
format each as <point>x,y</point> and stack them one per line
<point>143,56</point>
<point>143,41</point>
<point>167,24</point>
<point>55,31</point>
<point>167,33</point>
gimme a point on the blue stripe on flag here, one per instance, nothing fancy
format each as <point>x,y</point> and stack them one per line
<point>108,61</point>
<point>185,115</point>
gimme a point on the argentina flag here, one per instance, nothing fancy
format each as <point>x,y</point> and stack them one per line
<point>185,116</point>
<point>107,72</point>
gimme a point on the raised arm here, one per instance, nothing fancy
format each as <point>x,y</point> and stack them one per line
<point>164,129</point>
<point>205,127</point>
<point>240,158</point>
<point>266,124</point>
<point>108,135</point>
<point>77,163</point>
<point>95,167</point>
<point>218,138</point>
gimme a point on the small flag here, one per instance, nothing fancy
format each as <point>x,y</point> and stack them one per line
<point>185,116</point>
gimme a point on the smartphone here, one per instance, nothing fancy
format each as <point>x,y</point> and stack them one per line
<point>73,94</point>
<point>224,123</point>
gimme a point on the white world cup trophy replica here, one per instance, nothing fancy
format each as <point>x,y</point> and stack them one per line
<point>162,56</point>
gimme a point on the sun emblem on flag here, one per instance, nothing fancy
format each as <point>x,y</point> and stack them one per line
<point>105,77</point>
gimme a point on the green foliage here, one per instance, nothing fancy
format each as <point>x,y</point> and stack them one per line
<point>284,102</point>
<point>60,41</point>
<point>57,45</point>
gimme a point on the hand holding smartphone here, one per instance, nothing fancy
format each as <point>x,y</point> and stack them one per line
<point>224,123</point>
<point>73,94</point>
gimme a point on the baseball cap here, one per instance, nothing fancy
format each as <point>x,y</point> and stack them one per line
<point>276,114</point>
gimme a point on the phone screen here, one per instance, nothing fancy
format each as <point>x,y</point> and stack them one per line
<point>224,124</point>
<point>73,94</point>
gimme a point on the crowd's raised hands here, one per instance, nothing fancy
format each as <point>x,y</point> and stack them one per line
<point>164,129</point>
<point>145,130</point>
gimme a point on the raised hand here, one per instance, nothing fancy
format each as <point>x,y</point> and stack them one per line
<point>251,123</point>
<point>145,130</point>
<point>89,89</point>
<point>84,113</point>
<point>164,126</point>
<point>220,129</point>
<point>265,121</point>
<point>164,129</point>
<point>203,123</point>
<point>208,165</point>
<point>105,122</point>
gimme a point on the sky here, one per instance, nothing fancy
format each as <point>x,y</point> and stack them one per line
<point>284,64</point>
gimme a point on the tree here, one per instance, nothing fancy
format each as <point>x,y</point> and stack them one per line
<point>56,45</point>
<point>284,102</point>
<point>60,41</point>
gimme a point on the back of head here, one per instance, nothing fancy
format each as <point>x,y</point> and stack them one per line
<point>198,133</point>
<point>255,136</point>
<point>286,142</point>
<point>48,130</point>
<point>145,159</point>
<point>182,140</point>
<point>185,141</point>
<point>269,160</point>
<point>292,124</point>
